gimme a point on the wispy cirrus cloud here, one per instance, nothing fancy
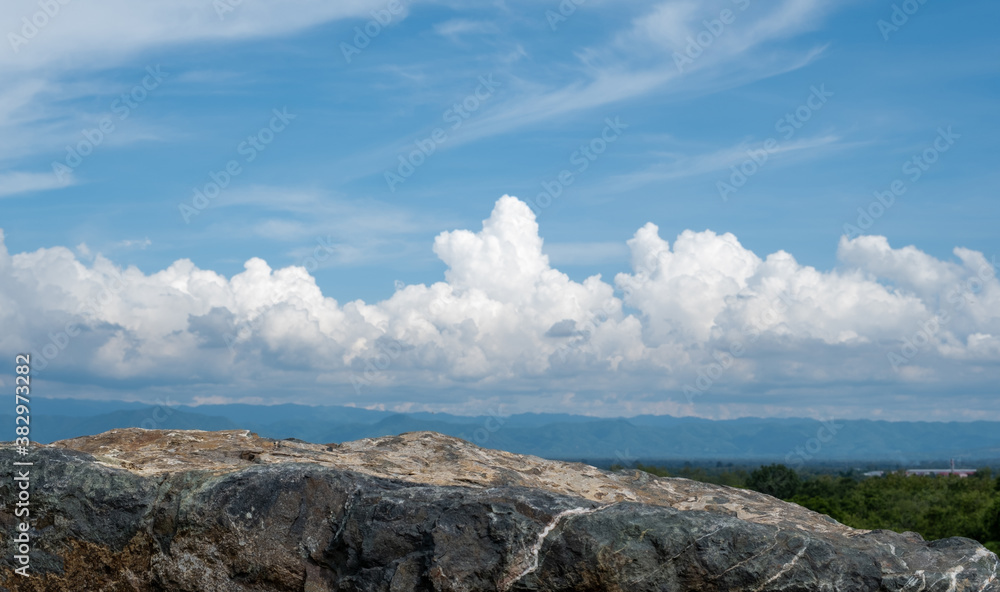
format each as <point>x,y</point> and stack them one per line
<point>678,165</point>
<point>16,183</point>
<point>643,59</point>
<point>46,51</point>
<point>94,36</point>
<point>347,232</point>
<point>455,28</point>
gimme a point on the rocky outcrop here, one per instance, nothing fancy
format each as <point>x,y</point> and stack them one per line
<point>156,510</point>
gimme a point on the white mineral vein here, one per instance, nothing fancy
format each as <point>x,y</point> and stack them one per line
<point>996,562</point>
<point>537,546</point>
<point>787,566</point>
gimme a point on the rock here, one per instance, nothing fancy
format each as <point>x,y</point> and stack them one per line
<point>159,510</point>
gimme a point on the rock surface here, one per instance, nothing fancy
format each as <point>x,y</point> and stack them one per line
<point>158,510</point>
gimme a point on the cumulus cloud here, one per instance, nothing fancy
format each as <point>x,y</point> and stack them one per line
<point>704,315</point>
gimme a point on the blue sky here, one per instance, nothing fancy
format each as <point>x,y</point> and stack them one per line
<point>649,106</point>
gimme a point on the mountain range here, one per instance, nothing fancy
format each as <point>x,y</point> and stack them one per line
<point>794,441</point>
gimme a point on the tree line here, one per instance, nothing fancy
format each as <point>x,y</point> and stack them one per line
<point>935,507</point>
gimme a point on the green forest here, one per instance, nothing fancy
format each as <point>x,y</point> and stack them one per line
<point>934,507</point>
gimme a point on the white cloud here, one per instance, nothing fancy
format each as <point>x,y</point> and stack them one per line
<point>586,253</point>
<point>643,58</point>
<point>679,166</point>
<point>142,245</point>
<point>337,231</point>
<point>44,54</point>
<point>16,182</point>
<point>455,28</point>
<point>505,321</point>
<point>83,35</point>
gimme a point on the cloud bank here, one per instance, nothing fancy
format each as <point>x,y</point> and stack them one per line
<point>703,326</point>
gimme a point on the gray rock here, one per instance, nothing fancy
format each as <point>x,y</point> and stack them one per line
<point>227,511</point>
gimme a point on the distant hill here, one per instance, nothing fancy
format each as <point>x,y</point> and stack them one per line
<point>559,436</point>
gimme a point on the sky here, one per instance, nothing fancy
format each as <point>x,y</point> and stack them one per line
<point>720,209</point>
